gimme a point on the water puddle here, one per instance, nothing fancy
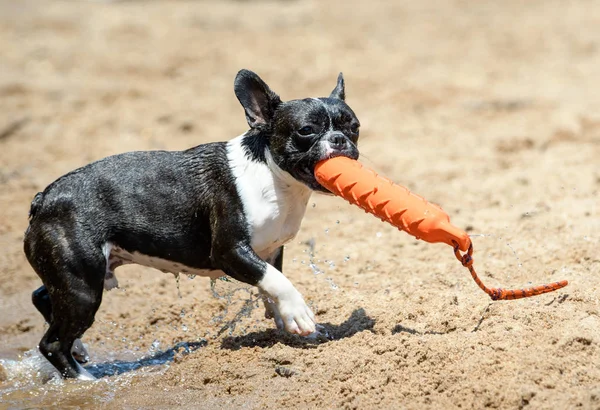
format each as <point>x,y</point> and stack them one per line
<point>31,381</point>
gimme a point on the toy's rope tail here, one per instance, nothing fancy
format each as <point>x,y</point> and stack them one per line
<point>499,293</point>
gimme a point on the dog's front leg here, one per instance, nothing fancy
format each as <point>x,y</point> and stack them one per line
<point>271,310</point>
<point>242,263</point>
<point>297,317</point>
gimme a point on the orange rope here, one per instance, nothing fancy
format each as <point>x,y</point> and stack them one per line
<point>499,293</point>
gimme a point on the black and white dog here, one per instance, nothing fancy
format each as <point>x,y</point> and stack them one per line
<point>225,207</point>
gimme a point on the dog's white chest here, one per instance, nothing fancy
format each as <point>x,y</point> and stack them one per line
<point>274,202</point>
<point>275,218</point>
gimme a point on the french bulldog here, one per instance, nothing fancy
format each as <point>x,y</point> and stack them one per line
<point>223,208</point>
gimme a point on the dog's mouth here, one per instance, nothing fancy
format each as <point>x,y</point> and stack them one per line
<point>310,171</point>
<point>301,165</point>
<point>307,173</point>
<point>336,154</point>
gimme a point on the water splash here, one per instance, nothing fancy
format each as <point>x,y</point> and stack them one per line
<point>249,304</point>
<point>29,368</point>
<point>155,345</point>
<point>156,358</point>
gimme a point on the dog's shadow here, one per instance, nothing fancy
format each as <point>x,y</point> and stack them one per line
<point>159,358</point>
<point>357,322</point>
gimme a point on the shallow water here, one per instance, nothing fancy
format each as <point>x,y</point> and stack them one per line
<point>31,381</point>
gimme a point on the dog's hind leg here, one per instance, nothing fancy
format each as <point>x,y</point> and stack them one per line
<point>73,275</point>
<point>74,307</point>
<point>41,300</point>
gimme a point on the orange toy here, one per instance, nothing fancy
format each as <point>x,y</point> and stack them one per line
<point>409,212</point>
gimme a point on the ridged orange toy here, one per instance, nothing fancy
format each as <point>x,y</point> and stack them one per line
<point>409,212</point>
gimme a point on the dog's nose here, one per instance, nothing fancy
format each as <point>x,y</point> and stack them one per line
<point>338,141</point>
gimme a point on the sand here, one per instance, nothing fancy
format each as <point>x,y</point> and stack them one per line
<point>490,109</point>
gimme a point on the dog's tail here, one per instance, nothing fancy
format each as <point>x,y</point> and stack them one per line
<point>36,204</point>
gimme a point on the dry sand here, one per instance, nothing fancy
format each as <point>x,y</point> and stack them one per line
<point>490,109</point>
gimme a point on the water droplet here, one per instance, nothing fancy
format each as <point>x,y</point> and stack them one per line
<point>184,328</point>
<point>331,283</point>
<point>346,258</point>
<point>327,230</point>
<point>514,253</point>
<point>315,268</point>
<point>182,314</point>
<point>378,234</point>
<point>337,222</point>
<point>314,205</point>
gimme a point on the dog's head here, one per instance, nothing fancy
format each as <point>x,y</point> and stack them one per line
<point>298,133</point>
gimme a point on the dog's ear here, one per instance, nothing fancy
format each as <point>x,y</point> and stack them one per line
<point>256,97</point>
<point>339,91</point>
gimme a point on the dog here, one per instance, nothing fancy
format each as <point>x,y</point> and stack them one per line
<point>222,208</point>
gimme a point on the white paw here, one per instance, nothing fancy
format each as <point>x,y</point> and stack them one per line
<point>297,318</point>
<point>285,304</point>
<point>272,312</point>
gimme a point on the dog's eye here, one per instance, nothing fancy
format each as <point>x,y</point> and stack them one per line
<point>308,130</point>
<point>354,128</point>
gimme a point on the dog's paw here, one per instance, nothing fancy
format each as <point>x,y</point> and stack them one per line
<point>297,318</point>
<point>272,312</point>
<point>79,352</point>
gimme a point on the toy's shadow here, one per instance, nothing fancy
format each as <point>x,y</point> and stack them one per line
<point>159,358</point>
<point>402,329</point>
<point>357,322</point>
